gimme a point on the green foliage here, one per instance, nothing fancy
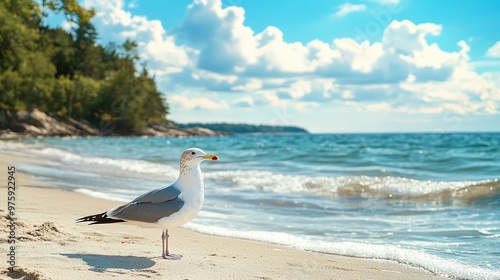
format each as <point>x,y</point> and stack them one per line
<point>68,73</point>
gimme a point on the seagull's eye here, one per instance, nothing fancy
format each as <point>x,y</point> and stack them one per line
<point>193,153</point>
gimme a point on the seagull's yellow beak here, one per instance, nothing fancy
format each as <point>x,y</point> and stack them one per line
<point>211,157</point>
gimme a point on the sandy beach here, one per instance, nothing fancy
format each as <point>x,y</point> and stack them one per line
<point>50,245</point>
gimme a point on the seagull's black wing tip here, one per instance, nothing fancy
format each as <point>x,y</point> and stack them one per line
<point>101,218</point>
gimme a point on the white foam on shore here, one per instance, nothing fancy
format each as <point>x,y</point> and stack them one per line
<point>438,265</point>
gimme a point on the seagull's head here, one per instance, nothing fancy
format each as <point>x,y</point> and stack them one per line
<point>194,156</point>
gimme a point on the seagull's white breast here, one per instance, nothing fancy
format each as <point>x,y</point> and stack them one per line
<point>190,183</point>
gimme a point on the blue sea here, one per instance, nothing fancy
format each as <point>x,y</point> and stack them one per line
<point>428,200</point>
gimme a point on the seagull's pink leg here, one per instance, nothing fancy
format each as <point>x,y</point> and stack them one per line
<point>163,243</point>
<point>166,254</point>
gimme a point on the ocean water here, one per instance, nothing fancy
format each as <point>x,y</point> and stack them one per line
<point>428,200</point>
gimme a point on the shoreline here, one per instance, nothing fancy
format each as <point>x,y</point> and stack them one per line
<point>51,246</point>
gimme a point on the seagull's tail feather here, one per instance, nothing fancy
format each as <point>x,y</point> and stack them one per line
<point>99,219</point>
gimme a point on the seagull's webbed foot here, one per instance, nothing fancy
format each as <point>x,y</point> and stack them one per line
<point>172,256</point>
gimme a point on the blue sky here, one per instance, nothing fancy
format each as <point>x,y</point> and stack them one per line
<point>328,66</point>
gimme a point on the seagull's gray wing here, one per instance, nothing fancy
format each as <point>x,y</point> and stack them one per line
<point>146,212</point>
<point>150,207</point>
<point>159,195</point>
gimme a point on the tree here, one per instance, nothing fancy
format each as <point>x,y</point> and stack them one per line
<point>25,69</point>
<point>62,51</point>
<point>69,73</point>
<point>128,99</point>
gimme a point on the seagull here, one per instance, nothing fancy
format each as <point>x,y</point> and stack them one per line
<point>164,208</point>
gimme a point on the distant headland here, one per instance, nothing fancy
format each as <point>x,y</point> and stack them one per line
<point>245,128</point>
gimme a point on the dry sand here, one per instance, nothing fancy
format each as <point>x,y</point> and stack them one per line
<point>51,246</point>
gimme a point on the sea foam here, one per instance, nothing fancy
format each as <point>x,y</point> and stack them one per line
<point>359,186</point>
<point>441,266</point>
<point>36,150</point>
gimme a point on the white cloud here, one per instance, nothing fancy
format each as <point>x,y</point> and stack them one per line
<point>219,55</point>
<point>251,85</point>
<point>465,48</point>
<point>196,103</point>
<point>226,42</point>
<point>348,8</point>
<point>494,51</point>
<point>299,88</point>
<point>378,107</point>
<point>405,37</point>
<point>228,47</point>
<point>155,46</point>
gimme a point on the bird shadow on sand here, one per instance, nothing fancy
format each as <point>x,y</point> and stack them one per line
<point>101,263</point>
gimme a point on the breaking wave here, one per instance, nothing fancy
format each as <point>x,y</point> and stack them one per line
<point>447,192</point>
